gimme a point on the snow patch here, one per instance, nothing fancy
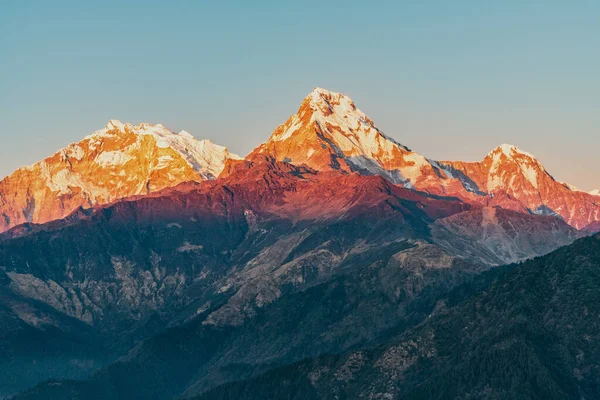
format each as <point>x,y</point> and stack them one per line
<point>73,151</point>
<point>63,180</point>
<point>205,157</point>
<point>163,162</point>
<point>296,123</point>
<point>509,150</point>
<point>110,158</point>
<point>530,173</point>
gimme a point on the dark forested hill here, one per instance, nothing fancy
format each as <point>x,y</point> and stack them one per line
<point>532,335</point>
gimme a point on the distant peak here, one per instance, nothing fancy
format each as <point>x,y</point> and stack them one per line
<point>320,94</point>
<point>209,146</point>
<point>187,134</point>
<point>326,103</point>
<point>325,92</point>
<point>141,128</point>
<point>509,150</point>
<point>328,124</point>
<point>182,141</point>
<point>115,124</point>
<point>207,143</point>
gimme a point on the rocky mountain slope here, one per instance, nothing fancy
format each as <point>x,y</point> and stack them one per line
<point>530,335</point>
<point>115,162</point>
<point>240,268</point>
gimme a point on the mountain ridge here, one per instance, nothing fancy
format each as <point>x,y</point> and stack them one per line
<point>329,132</point>
<point>112,163</point>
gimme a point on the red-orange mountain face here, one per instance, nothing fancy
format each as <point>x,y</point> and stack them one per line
<point>513,179</point>
<point>298,192</point>
<point>262,192</point>
<point>271,190</point>
<point>329,132</point>
<point>119,161</point>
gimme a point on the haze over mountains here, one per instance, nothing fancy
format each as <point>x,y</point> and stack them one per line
<point>154,265</point>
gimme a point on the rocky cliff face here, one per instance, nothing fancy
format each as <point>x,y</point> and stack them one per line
<point>116,162</point>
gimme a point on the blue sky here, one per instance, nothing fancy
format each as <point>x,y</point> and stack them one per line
<point>450,79</point>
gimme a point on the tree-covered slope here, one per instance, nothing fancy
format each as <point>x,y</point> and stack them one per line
<point>532,335</point>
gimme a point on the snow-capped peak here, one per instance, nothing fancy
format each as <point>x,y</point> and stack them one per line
<point>510,150</point>
<point>321,91</point>
<point>502,175</point>
<point>207,158</point>
<point>117,161</point>
<point>351,130</point>
<point>186,133</point>
<point>329,131</point>
<point>115,124</point>
<point>320,96</point>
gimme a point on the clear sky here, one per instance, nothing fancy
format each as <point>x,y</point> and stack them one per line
<point>449,79</point>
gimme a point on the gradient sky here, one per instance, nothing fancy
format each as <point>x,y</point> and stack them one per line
<point>449,79</point>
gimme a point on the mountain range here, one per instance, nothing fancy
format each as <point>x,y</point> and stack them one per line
<point>327,133</point>
<point>118,161</point>
<point>148,264</point>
